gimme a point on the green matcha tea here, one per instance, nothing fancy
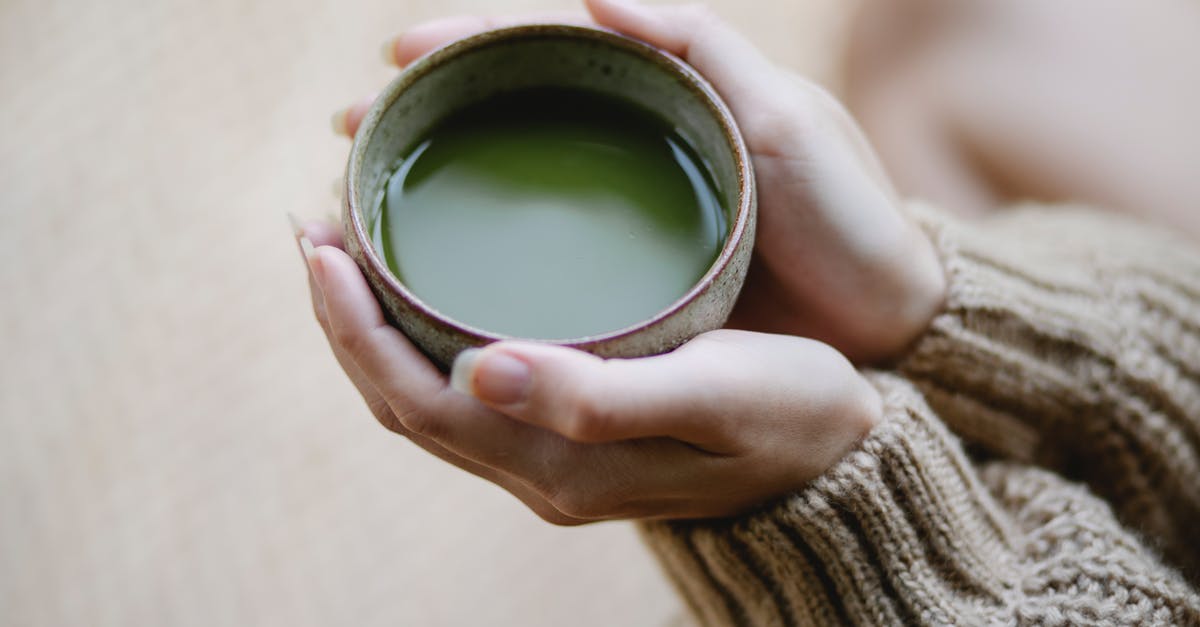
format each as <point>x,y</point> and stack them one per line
<point>550,214</point>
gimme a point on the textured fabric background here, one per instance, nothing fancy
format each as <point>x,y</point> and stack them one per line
<point>177,446</point>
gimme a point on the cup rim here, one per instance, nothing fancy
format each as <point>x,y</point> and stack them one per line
<point>689,77</point>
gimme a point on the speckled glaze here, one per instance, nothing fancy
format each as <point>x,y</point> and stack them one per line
<point>474,69</point>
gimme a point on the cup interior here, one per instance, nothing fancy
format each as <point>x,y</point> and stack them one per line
<point>480,67</point>
<point>477,68</point>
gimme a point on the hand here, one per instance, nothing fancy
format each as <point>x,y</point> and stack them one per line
<point>835,259</point>
<point>725,422</point>
<point>728,421</point>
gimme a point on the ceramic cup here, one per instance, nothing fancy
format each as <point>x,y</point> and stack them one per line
<point>478,67</point>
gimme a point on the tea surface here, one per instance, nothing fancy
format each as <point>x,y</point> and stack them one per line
<point>550,214</point>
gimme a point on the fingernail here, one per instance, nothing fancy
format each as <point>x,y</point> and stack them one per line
<point>338,122</point>
<point>307,247</point>
<point>315,268</point>
<point>388,52</point>
<point>493,377</point>
<point>463,370</point>
<point>297,228</point>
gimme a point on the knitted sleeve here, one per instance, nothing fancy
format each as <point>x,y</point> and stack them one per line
<point>1071,341</point>
<point>1067,361</point>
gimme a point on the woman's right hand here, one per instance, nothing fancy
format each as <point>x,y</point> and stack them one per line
<point>836,259</point>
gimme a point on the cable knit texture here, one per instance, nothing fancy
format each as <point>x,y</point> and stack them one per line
<point>1038,462</point>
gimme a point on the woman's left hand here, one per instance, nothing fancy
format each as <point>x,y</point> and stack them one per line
<point>729,420</point>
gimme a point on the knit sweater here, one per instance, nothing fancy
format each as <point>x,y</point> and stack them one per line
<point>1038,461</point>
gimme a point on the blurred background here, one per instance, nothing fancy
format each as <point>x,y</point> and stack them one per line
<point>177,445</point>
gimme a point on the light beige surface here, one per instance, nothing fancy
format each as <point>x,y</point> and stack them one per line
<point>177,447</point>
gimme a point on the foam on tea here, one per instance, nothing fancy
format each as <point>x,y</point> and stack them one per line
<point>550,214</point>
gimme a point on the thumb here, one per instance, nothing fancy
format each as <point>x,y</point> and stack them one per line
<point>734,65</point>
<point>589,399</point>
<point>582,396</point>
<point>707,392</point>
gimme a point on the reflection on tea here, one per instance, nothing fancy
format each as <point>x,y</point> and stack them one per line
<point>550,214</point>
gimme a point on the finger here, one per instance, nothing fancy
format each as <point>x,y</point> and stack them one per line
<point>729,61</point>
<point>322,233</point>
<point>358,325</point>
<point>426,37</point>
<point>326,234</point>
<point>679,395</point>
<point>346,121</point>
<point>309,235</point>
<point>751,85</point>
<point>383,413</point>
<point>414,389</point>
<point>423,38</point>
<point>562,482</point>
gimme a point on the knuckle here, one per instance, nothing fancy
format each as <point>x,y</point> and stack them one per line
<point>566,480</point>
<point>350,339</point>
<point>383,413</point>
<point>591,419</point>
<point>558,485</point>
<point>410,423</point>
<point>781,124</point>
<point>421,423</point>
<point>546,479</point>
<point>579,504</point>
<point>559,519</point>
<point>590,500</point>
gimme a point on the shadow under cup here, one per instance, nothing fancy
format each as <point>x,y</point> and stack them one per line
<point>482,66</point>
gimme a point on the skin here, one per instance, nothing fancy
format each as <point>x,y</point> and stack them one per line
<point>733,418</point>
<point>974,104</point>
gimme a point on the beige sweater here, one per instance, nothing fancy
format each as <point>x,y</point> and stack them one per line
<point>1039,461</point>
